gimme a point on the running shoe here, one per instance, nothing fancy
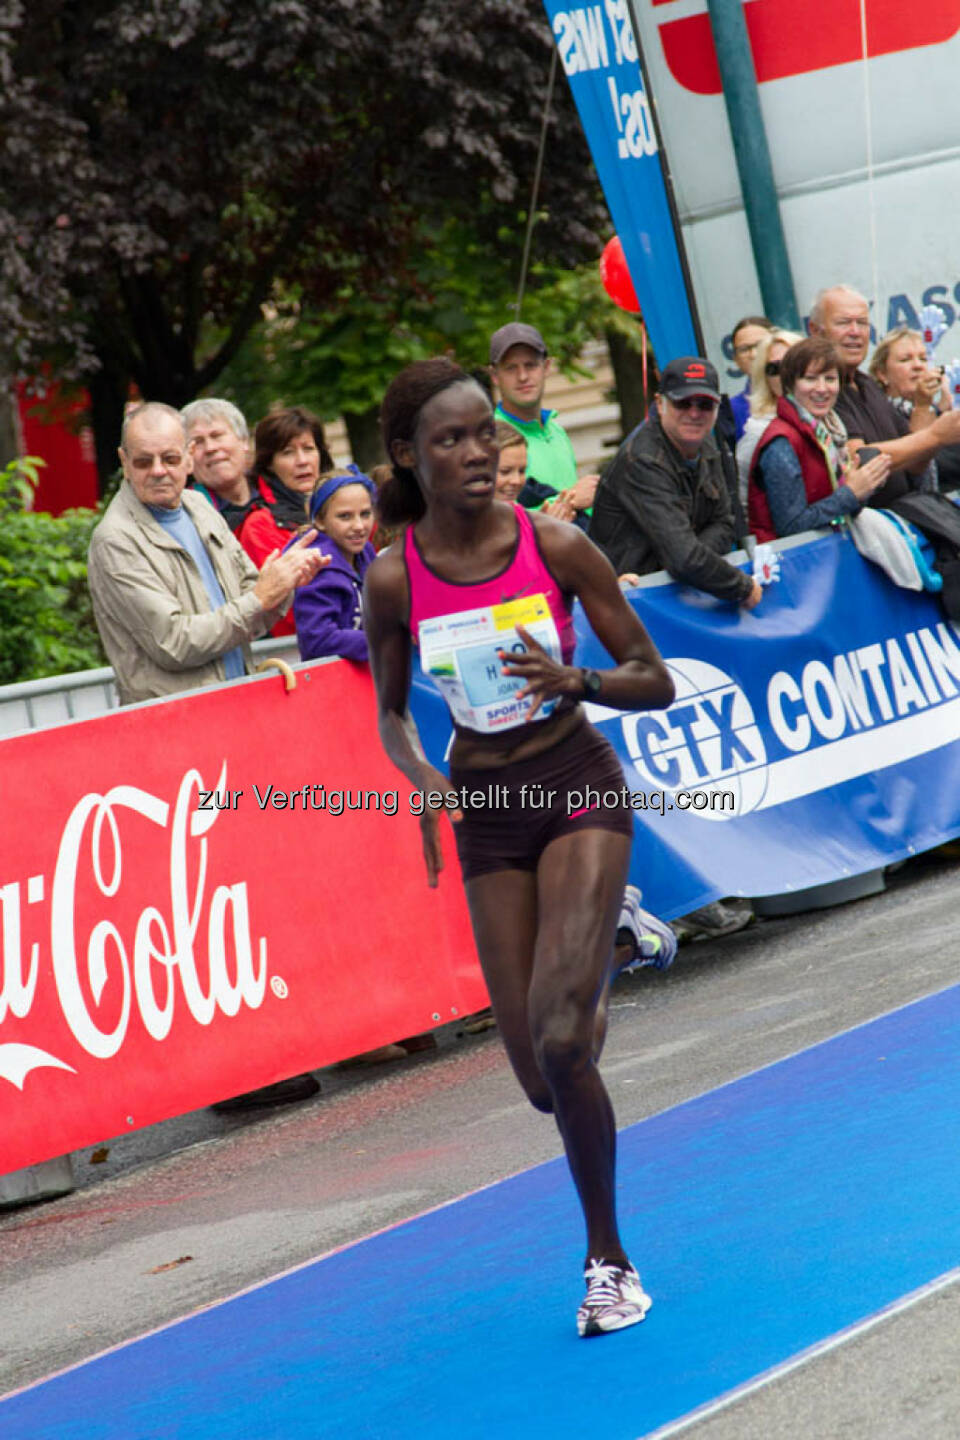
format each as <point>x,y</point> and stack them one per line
<point>615,1299</point>
<point>654,943</point>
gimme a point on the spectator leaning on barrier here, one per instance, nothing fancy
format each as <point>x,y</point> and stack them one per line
<point>801,476</point>
<point>219,444</point>
<point>663,504</point>
<point>329,609</point>
<point>290,452</point>
<point>511,463</point>
<point>176,599</point>
<point>515,485</point>
<point>918,390</point>
<point>765,391</point>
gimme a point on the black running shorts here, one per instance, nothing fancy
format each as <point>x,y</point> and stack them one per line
<point>575,785</point>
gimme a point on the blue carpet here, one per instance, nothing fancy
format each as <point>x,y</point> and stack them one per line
<point>764,1216</point>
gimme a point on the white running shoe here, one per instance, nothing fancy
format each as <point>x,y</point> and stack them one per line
<point>615,1299</point>
<point>654,942</point>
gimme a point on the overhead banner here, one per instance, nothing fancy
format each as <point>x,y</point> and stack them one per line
<point>599,55</point>
<point>812,739</point>
<point>205,895</point>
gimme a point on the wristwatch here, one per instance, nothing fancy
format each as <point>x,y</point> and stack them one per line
<point>591,681</point>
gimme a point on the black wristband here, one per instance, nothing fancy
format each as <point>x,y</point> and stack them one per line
<point>591,680</point>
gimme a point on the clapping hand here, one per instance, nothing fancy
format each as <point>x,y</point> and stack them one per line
<point>283,571</point>
<point>562,508</point>
<point>584,492</point>
<point>864,479</point>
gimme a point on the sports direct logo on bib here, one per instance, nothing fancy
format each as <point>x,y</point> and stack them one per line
<point>460,654</point>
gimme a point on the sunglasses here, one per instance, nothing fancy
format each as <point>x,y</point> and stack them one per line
<point>773,367</point>
<point>694,402</point>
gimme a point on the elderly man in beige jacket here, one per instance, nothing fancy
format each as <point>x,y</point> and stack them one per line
<point>176,599</point>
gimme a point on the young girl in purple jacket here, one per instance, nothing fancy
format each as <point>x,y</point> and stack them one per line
<point>328,611</point>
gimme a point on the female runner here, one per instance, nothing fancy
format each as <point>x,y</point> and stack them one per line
<point>544,886</point>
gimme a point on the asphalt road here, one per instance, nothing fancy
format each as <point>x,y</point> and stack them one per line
<point>248,1197</point>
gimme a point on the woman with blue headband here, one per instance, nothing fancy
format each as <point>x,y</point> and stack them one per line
<point>329,616</point>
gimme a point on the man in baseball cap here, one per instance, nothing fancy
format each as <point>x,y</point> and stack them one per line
<point>519,364</point>
<point>663,504</point>
<point>689,376</point>
<point>515,334</point>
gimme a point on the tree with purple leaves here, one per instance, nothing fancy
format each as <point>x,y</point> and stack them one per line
<point>164,164</point>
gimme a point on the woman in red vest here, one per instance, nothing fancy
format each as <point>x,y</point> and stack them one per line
<point>801,476</point>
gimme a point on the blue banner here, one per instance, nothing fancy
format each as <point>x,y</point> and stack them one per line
<point>599,53</point>
<point>812,739</point>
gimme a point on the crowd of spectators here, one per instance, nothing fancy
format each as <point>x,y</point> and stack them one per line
<point>216,537</point>
<point>817,437</point>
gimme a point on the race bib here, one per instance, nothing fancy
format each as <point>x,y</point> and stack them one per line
<point>459,653</point>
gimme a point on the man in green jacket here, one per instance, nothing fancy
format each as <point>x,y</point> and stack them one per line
<point>519,364</point>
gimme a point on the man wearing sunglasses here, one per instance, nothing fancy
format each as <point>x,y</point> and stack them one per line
<point>663,504</point>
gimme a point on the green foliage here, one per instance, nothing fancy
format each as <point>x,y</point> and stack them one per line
<point>46,620</point>
<point>165,165</point>
<point>340,359</point>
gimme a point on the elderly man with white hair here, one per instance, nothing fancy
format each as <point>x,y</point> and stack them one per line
<point>219,443</point>
<point>842,315</point>
<point>176,598</point>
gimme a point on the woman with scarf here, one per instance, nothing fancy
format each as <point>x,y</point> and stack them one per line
<point>801,476</point>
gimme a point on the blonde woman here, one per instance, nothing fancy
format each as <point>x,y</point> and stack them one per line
<point>900,366</point>
<point>914,387</point>
<point>765,391</point>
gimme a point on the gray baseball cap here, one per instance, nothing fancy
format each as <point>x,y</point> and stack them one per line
<point>514,334</point>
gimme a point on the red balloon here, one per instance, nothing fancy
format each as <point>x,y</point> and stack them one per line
<point>616,277</point>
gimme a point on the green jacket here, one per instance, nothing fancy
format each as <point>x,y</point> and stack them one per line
<point>550,457</point>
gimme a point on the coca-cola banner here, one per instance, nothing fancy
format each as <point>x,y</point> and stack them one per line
<point>205,895</point>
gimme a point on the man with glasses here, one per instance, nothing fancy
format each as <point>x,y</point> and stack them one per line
<point>746,336</point>
<point>176,599</point>
<point>663,504</point>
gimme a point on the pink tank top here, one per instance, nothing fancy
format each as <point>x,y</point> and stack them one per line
<point>526,574</point>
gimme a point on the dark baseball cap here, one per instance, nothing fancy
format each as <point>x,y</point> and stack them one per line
<point>514,334</point>
<point>689,375</point>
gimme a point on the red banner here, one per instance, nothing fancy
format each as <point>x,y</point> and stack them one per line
<point>205,895</point>
<point>789,39</point>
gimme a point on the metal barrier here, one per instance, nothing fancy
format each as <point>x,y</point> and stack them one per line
<point>58,699</point>
<point>80,694</point>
